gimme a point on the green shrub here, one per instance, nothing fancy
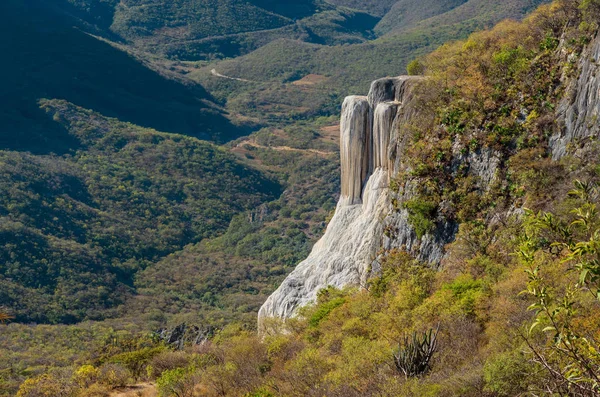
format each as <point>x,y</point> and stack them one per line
<point>507,374</point>
<point>421,215</point>
<point>179,382</point>
<point>415,68</point>
<point>136,361</point>
<point>323,310</point>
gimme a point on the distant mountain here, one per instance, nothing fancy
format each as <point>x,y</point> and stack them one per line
<point>205,29</point>
<point>49,58</point>
<point>435,14</point>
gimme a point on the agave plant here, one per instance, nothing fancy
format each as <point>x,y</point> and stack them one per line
<point>414,354</point>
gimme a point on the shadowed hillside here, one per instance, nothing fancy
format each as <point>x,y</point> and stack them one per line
<point>48,58</point>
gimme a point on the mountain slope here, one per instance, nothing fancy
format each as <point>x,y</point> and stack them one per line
<point>273,69</point>
<point>51,59</point>
<point>374,7</point>
<point>77,228</point>
<point>406,13</point>
<point>409,14</point>
<point>208,29</point>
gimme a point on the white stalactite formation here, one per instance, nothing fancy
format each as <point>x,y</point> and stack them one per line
<point>344,254</point>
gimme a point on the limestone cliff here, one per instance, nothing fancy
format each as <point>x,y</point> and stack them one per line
<point>579,110</point>
<point>353,238</point>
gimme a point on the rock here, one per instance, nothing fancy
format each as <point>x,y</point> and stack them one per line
<point>383,120</point>
<point>355,147</point>
<point>354,236</point>
<point>183,334</point>
<point>341,257</point>
<point>391,89</point>
<point>578,113</point>
<point>483,164</point>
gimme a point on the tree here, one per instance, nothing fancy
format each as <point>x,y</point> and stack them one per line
<point>563,310</point>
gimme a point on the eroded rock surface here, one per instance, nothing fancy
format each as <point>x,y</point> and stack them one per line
<point>579,112</point>
<point>354,236</point>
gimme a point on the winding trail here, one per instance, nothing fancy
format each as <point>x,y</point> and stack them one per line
<point>217,74</point>
<point>283,148</point>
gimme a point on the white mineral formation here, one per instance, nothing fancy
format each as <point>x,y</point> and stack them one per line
<point>343,256</point>
<point>385,113</point>
<point>355,147</point>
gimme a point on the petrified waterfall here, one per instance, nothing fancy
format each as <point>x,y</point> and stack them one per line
<point>343,256</point>
<point>385,113</point>
<point>355,147</point>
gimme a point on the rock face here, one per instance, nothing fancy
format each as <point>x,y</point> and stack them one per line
<point>579,112</point>
<point>383,120</point>
<point>374,138</point>
<point>355,147</point>
<point>354,236</point>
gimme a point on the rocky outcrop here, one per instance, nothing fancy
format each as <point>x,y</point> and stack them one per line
<point>342,256</point>
<point>354,236</point>
<point>579,111</point>
<point>355,147</point>
<point>383,121</point>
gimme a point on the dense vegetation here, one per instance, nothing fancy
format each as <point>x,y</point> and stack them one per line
<point>52,59</point>
<point>91,234</point>
<point>77,228</point>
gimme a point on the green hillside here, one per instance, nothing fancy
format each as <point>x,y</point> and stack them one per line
<point>374,7</point>
<point>208,29</point>
<point>273,69</point>
<point>78,227</point>
<point>473,14</point>
<point>405,13</point>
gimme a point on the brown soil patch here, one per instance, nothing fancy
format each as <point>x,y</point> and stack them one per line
<point>310,79</point>
<point>330,133</point>
<point>139,390</point>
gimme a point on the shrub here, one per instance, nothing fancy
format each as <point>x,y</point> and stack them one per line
<point>166,361</point>
<point>136,361</point>
<point>86,375</point>
<point>113,375</point>
<point>507,374</point>
<point>323,311</point>
<point>179,382</point>
<point>57,383</point>
<point>421,215</point>
<point>415,67</point>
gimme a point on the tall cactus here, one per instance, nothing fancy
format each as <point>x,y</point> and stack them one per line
<point>414,355</point>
